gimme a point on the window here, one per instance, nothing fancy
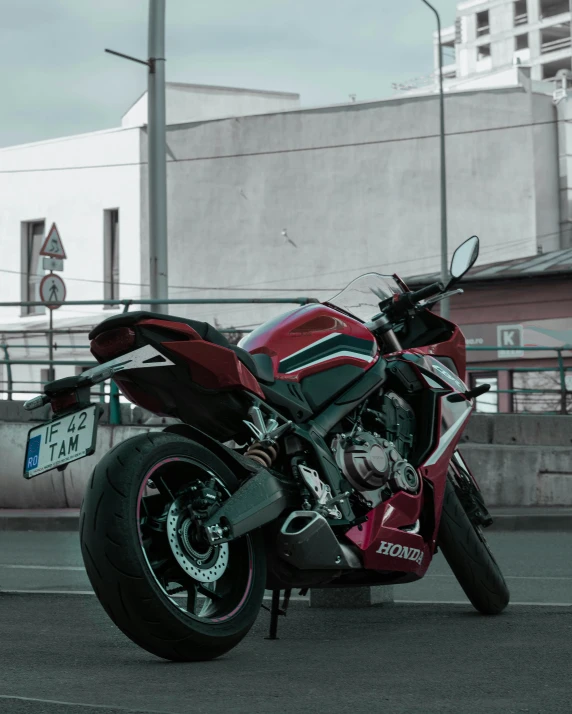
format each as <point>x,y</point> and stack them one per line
<point>483,23</point>
<point>555,37</point>
<point>487,403</point>
<point>543,392</point>
<point>111,254</point>
<point>550,8</point>
<point>448,52</point>
<point>549,69</point>
<point>521,42</point>
<point>520,13</point>
<point>483,51</point>
<point>32,235</point>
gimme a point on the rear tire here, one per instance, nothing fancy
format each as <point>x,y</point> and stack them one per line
<point>468,554</point>
<point>113,544</point>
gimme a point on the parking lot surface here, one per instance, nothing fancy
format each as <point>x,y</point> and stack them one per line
<point>61,653</point>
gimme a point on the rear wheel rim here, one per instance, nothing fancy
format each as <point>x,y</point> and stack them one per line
<point>208,584</point>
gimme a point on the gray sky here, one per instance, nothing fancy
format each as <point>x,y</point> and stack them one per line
<point>56,79</point>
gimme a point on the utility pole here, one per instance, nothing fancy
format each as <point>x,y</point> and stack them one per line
<point>157,164</point>
<point>157,153</point>
<point>444,307</point>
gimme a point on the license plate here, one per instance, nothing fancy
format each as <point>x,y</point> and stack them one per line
<point>60,441</point>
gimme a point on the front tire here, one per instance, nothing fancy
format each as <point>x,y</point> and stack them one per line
<point>470,558</point>
<point>139,548</point>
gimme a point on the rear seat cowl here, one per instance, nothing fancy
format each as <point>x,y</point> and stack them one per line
<point>257,366</point>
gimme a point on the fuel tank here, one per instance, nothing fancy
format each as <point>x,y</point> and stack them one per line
<point>315,345</point>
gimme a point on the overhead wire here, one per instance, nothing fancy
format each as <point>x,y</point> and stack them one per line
<point>301,149</point>
<point>435,256</point>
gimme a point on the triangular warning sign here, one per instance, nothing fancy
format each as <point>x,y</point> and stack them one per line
<point>53,246</point>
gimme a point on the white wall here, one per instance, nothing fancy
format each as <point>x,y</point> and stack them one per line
<point>354,191</point>
<point>185,103</point>
<point>74,198</point>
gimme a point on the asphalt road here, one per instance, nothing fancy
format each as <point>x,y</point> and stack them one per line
<point>61,654</point>
<point>537,566</point>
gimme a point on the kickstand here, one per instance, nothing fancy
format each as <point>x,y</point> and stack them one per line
<point>276,611</point>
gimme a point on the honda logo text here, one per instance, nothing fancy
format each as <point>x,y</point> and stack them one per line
<point>400,551</point>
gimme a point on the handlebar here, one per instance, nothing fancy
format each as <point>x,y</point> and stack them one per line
<point>408,300</point>
<point>426,292</point>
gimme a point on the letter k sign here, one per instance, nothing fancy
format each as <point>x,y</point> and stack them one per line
<point>508,338</point>
<point>510,341</point>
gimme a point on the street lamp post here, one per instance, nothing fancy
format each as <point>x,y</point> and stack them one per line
<point>444,310</point>
<point>157,155</point>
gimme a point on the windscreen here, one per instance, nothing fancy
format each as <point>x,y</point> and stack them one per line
<point>362,296</point>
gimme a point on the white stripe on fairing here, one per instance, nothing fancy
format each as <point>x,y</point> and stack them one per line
<point>355,355</point>
<point>318,342</point>
<point>447,438</point>
<point>432,382</point>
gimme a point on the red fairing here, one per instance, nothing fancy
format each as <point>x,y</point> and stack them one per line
<point>384,546</point>
<point>173,326</point>
<point>215,367</point>
<point>311,339</point>
<point>455,348</point>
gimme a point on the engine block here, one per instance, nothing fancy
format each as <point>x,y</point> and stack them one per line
<point>369,462</point>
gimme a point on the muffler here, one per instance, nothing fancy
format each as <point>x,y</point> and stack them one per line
<point>307,541</point>
<point>260,500</point>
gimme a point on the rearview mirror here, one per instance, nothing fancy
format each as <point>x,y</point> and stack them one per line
<point>464,258</point>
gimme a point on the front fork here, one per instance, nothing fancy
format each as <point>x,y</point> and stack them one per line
<point>468,492</point>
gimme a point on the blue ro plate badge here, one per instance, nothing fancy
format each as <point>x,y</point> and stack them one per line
<point>61,441</point>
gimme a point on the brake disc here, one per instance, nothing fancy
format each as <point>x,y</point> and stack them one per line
<point>207,566</point>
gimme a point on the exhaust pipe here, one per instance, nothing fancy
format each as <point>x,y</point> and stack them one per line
<point>262,499</point>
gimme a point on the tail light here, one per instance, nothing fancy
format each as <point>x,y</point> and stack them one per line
<point>113,343</point>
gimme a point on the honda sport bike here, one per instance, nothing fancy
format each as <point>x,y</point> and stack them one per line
<point>321,452</point>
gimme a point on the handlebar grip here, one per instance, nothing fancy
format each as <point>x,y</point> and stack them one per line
<point>425,292</point>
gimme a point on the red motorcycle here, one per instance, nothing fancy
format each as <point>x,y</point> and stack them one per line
<point>321,452</point>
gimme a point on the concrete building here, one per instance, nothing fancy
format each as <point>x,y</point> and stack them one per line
<point>490,36</point>
<point>284,201</point>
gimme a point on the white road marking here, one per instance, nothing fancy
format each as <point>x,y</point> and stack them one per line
<point>293,598</point>
<point>43,567</point>
<point>515,577</point>
<point>15,591</point>
<point>83,704</point>
<point>79,569</point>
<point>466,602</point>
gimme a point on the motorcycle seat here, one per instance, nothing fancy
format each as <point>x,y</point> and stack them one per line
<point>260,364</point>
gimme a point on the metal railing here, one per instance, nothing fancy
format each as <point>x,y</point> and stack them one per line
<point>560,394</point>
<point>12,386</point>
<point>521,396</point>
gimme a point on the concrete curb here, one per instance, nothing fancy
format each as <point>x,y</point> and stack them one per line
<point>505,519</point>
<point>40,520</point>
